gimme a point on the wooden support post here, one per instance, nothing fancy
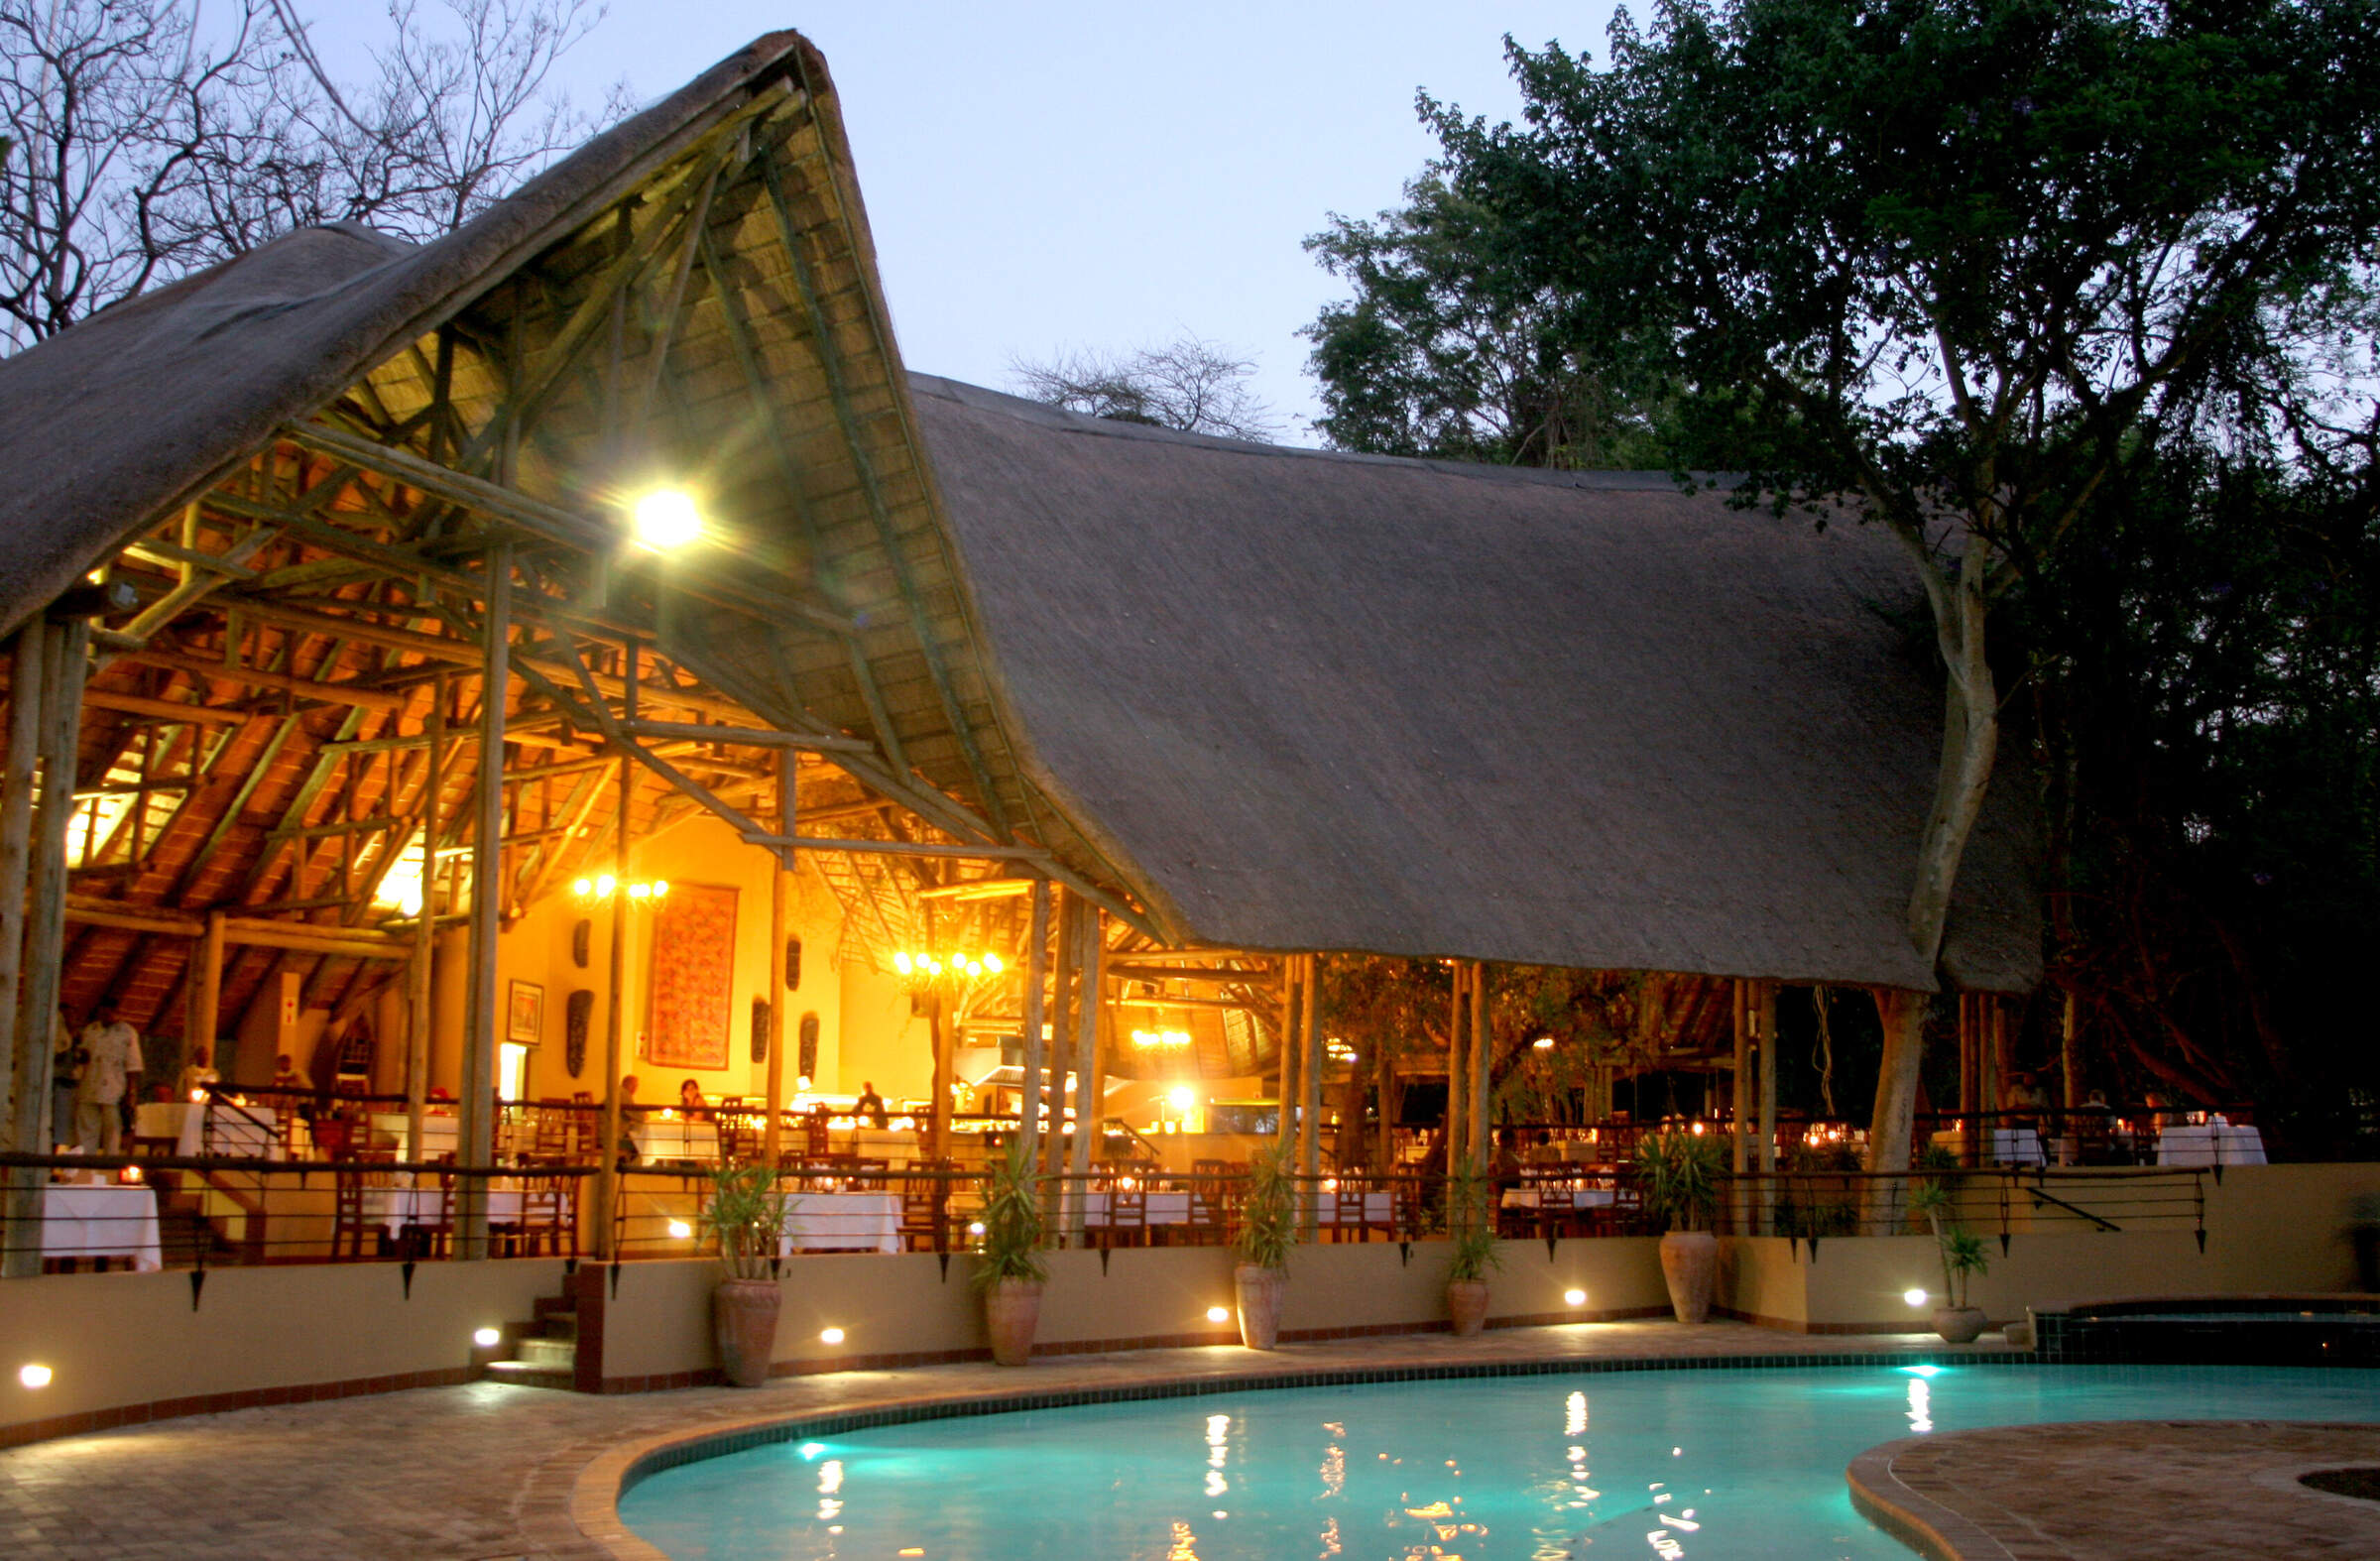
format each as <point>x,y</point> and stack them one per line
<point>1383,1088</point>
<point>478,1124</point>
<point>422,1017</point>
<point>63,659</point>
<point>1458,1069</point>
<point>780,896</point>
<point>1310,1076</point>
<point>17,1038</point>
<point>1970,1082</point>
<point>1479,1140</point>
<point>1764,1024</point>
<point>1037,976</point>
<point>1090,1093</point>
<point>2070,1067</point>
<point>1285,1131</point>
<point>1061,1045</point>
<point>615,1038</point>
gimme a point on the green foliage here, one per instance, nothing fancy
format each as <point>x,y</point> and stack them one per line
<point>1817,1197</point>
<point>1471,1230</point>
<point>1010,1248</point>
<point>1684,1175</point>
<point>1960,1250</point>
<point>742,1220</point>
<point>1269,1217</point>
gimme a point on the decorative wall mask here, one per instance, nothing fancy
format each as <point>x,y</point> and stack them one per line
<point>793,963</point>
<point>577,1011</point>
<point>579,937</point>
<point>759,1029</point>
<point>809,1046</point>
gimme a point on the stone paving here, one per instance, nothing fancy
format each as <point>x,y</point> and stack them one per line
<point>488,1470</point>
<point>2124,1490</point>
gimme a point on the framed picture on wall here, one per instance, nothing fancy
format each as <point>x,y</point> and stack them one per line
<point>525,1015</point>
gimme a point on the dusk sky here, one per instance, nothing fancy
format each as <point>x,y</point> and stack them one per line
<point>1051,175</point>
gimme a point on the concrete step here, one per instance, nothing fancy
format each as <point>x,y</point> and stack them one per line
<point>523,1375</point>
<point>549,1306</point>
<point>552,1355</point>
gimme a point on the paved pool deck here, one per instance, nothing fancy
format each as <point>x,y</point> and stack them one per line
<point>489,1470</point>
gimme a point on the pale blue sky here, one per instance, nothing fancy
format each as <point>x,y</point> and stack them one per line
<point>1042,175</point>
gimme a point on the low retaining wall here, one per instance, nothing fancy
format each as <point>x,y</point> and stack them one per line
<point>127,1347</point>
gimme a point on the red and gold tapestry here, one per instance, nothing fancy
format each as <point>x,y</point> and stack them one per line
<point>693,977</point>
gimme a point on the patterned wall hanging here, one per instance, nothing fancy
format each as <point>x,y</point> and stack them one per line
<point>809,1046</point>
<point>693,974</point>
<point>578,1011</point>
<point>759,1029</point>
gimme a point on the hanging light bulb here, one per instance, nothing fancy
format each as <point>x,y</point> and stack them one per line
<point>904,964</point>
<point>991,963</point>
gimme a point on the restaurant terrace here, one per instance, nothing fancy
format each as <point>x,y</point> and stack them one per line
<point>448,685</point>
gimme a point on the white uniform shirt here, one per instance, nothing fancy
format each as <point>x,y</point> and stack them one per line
<point>114,1050</point>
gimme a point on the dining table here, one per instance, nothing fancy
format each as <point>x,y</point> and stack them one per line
<point>662,1139</point>
<point>102,1220</point>
<point>397,1207</point>
<point>841,1222</point>
<point>194,1129</point>
<point>2210,1143</point>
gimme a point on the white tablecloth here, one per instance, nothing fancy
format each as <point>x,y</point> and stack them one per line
<point>101,1222</point>
<point>240,1132</point>
<point>841,1222</point>
<point>1375,1208</point>
<point>2007,1146</point>
<point>1558,1197</point>
<point>1158,1208</point>
<point>439,1134</point>
<point>395,1208</point>
<point>2210,1143</point>
<point>675,1139</point>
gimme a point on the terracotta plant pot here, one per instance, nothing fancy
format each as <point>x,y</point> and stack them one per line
<point>1959,1324</point>
<point>1012,1311</point>
<point>1690,1262</point>
<point>1259,1304</point>
<point>1467,1303</point>
<point>743,1322</point>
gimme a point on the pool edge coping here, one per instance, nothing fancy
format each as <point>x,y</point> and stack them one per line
<point>600,1484</point>
<point>1927,1526</point>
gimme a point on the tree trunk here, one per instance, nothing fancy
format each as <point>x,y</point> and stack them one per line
<point>1970,736</point>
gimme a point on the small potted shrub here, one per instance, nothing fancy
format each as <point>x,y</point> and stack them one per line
<point>1682,1173</point>
<point>1962,1254</point>
<point>1009,1269</point>
<point>1267,1229</point>
<point>743,1220</point>
<point>1470,1255</point>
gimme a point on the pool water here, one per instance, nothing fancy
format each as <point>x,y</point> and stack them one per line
<point>1660,1465</point>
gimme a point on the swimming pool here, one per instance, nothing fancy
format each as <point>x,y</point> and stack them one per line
<point>1579,1467</point>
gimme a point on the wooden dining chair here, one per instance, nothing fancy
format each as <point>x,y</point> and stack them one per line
<point>1349,1206</point>
<point>1125,1193</point>
<point>925,1206</point>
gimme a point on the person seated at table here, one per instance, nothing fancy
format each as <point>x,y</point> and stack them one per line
<point>870,1104</point>
<point>689,1096</point>
<point>197,1074</point>
<point>2027,1100</point>
<point>624,1153</point>
<point>285,1075</point>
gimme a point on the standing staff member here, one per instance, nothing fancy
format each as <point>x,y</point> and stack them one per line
<point>110,1072</point>
<point>65,1077</point>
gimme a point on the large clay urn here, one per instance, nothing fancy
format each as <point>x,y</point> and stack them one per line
<point>1012,1311</point>
<point>1690,1262</point>
<point>1259,1303</point>
<point>1467,1304</point>
<point>743,1322</point>
<point>1959,1324</point>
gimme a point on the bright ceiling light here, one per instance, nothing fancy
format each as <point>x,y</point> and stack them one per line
<point>665,519</point>
<point>1182,1097</point>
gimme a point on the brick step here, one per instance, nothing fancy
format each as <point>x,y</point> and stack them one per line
<point>549,1355</point>
<point>553,1306</point>
<point>523,1375</point>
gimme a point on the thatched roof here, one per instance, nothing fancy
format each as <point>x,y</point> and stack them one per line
<point>1328,701</point>
<point>1247,696</point>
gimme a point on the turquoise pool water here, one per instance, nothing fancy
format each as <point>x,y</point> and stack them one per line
<point>1654,1465</point>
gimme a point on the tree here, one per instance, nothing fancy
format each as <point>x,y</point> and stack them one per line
<point>1947,269</point>
<point>1190,385</point>
<point>146,147</point>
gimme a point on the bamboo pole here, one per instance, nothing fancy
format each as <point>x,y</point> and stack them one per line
<point>15,845</point>
<point>1061,1045</point>
<point>1309,1155</point>
<point>1765,1023</point>
<point>423,993</point>
<point>1036,975</point>
<point>1089,1087</point>
<point>1284,1135</point>
<point>1457,1113</point>
<point>615,1020</point>
<point>64,660</point>
<point>1479,1140</point>
<point>478,1145</point>
<point>781,896</point>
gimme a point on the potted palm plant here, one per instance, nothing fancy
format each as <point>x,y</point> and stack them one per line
<point>1267,1229</point>
<point>1009,1269</point>
<point>742,1219</point>
<point>1682,1172</point>
<point>1470,1255</point>
<point>1962,1254</point>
